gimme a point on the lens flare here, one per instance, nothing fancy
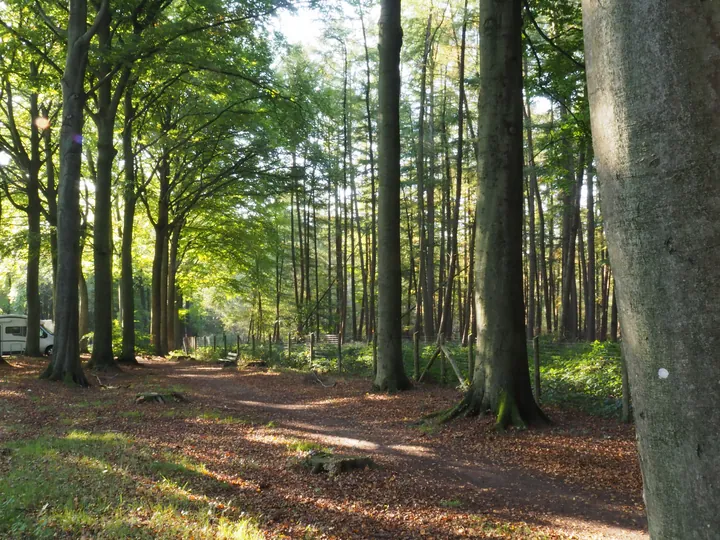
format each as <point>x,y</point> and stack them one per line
<point>42,123</point>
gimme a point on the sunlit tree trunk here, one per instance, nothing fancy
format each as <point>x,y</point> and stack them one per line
<point>65,364</point>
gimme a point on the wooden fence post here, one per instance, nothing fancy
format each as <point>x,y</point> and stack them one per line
<point>214,342</point>
<point>252,338</point>
<point>312,347</point>
<point>416,355</point>
<point>237,350</point>
<point>340,340</point>
<point>536,361</point>
<point>374,346</point>
<point>289,345</point>
<point>225,342</point>
<point>471,357</point>
<point>442,361</point>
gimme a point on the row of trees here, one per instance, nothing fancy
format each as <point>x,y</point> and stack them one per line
<point>283,183</point>
<point>319,264</point>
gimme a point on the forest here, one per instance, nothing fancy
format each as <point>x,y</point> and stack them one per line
<point>237,231</point>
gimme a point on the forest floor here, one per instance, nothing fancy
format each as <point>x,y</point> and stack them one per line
<point>92,463</point>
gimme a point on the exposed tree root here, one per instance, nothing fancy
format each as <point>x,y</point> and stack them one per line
<point>128,360</point>
<point>393,386</point>
<point>68,377</point>
<point>104,367</point>
<point>508,413</point>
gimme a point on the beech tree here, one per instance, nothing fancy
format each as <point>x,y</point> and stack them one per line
<point>390,370</point>
<point>653,87</point>
<point>65,363</point>
<point>501,381</point>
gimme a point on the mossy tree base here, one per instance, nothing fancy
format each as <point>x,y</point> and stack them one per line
<point>508,411</point>
<point>68,376</point>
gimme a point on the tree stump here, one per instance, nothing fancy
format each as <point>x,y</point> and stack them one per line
<point>323,462</point>
<point>154,397</point>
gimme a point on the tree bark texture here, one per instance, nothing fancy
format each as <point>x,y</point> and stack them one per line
<point>65,364</point>
<point>654,86</point>
<point>127,355</point>
<point>390,371</point>
<point>501,381</point>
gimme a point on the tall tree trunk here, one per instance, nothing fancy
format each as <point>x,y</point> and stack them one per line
<point>654,85</point>
<point>571,202</point>
<point>127,356</point>
<point>430,221</point>
<point>501,381</point>
<point>172,269</point>
<point>102,353</point>
<point>446,318</point>
<point>390,370</point>
<point>164,275</point>
<point>32,345</point>
<point>353,286</point>
<point>444,213</point>
<point>371,326</point>
<point>160,246</point>
<point>84,318</point>
<point>605,299</point>
<point>533,323</point>
<point>591,300</point>
<point>51,197</point>
<point>424,297</point>
<point>65,364</point>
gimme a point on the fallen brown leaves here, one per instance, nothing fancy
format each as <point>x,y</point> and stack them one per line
<point>577,478</point>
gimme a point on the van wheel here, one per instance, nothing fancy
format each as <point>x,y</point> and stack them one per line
<point>48,351</point>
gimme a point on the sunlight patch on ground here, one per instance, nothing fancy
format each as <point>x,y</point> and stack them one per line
<point>413,450</point>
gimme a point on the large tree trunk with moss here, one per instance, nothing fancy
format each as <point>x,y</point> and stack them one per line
<point>390,374</point>
<point>501,381</point>
<point>654,87</point>
<point>65,364</point>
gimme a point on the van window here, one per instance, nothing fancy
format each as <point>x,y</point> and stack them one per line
<point>43,334</point>
<point>20,331</point>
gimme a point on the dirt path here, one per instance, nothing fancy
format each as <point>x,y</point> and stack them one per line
<point>347,417</point>
<point>579,478</point>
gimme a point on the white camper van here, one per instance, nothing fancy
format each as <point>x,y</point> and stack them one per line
<point>13,334</point>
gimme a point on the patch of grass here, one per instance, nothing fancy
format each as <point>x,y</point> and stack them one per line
<point>306,446</point>
<point>103,485</point>
<point>221,418</point>
<point>174,388</point>
<point>133,414</point>
<point>271,424</point>
<point>428,427</point>
<point>450,503</point>
<point>88,404</point>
